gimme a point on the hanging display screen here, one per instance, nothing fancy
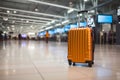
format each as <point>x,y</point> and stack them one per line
<point>73,25</point>
<point>59,30</point>
<point>51,32</point>
<point>67,27</point>
<point>104,18</point>
<point>83,24</point>
<point>24,35</point>
<point>41,33</point>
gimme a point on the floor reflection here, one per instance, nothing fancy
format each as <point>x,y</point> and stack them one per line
<point>33,59</point>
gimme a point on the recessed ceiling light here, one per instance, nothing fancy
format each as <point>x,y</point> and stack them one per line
<point>85,0</point>
<point>31,33</point>
<point>53,21</point>
<point>27,21</point>
<point>70,10</point>
<point>4,32</point>
<point>14,11</point>
<point>36,9</point>
<point>5,18</point>
<point>8,11</point>
<point>12,26</point>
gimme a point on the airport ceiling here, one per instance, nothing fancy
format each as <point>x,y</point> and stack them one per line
<point>34,15</point>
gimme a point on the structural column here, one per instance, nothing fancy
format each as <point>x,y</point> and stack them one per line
<point>118,34</point>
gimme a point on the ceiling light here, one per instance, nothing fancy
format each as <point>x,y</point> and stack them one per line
<point>64,22</point>
<point>36,10</point>
<point>49,27</point>
<point>51,4</point>
<point>41,30</point>
<point>5,18</point>
<point>53,21</point>
<point>70,10</point>
<point>79,15</point>
<point>14,12</point>
<point>91,11</point>
<point>58,24</point>
<point>31,33</point>
<point>4,32</point>
<point>12,26</point>
<point>27,21</point>
<point>8,27</point>
<point>85,0</point>
<point>31,26</point>
<point>8,11</point>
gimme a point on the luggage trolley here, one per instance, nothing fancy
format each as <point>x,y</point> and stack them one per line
<point>80,44</point>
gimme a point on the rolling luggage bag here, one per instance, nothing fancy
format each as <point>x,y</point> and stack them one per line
<point>80,46</point>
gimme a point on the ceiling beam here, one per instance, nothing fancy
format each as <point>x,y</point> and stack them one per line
<point>25,16</point>
<point>27,20</point>
<point>21,23</point>
<point>31,12</point>
<point>54,5</point>
<point>23,20</point>
<point>26,25</point>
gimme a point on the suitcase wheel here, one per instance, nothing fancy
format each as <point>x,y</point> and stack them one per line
<point>73,63</point>
<point>69,62</point>
<point>90,64</point>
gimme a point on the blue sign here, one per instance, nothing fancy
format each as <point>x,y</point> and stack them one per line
<point>66,28</point>
<point>41,33</point>
<point>73,25</point>
<point>59,30</point>
<point>51,32</point>
<point>104,18</point>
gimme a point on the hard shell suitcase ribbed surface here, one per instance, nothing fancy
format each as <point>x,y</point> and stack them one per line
<point>80,45</point>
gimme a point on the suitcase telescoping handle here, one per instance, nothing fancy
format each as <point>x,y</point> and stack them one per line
<point>80,18</point>
<point>83,11</point>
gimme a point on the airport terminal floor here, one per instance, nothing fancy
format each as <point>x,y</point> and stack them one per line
<point>36,60</point>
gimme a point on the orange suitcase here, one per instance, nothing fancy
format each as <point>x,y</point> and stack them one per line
<point>80,46</point>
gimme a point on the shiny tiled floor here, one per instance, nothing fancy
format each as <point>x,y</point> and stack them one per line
<point>35,60</point>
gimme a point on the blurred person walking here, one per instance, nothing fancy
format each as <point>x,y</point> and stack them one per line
<point>47,36</point>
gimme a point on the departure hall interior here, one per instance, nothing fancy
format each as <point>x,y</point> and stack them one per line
<point>59,39</point>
